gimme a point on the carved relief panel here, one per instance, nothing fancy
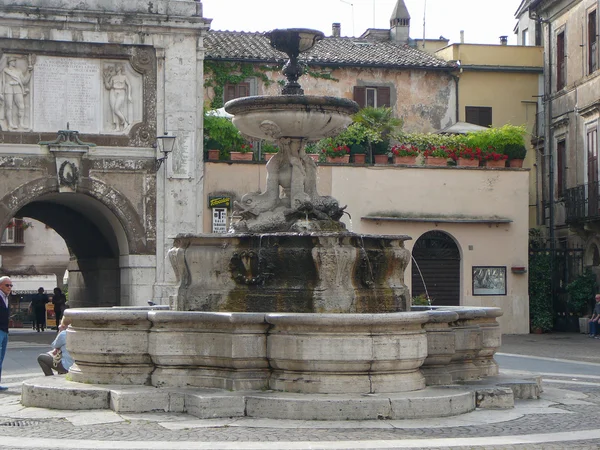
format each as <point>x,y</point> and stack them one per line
<point>112,92</point>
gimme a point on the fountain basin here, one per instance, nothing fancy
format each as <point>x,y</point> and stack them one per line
<point>290,272</point>
<point>305,117</point>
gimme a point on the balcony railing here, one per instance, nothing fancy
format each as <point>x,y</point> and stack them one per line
<point>583,202</point>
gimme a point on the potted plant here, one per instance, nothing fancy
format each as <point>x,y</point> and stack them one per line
<point>268,150</point>
<point>336,154</point>
<point>494,159</point>
<point>581,298</point>
<point>516,154</point>
<point>243,153</point>
<point>436,156</point>
<point>469,157</point>
<point>405,154</point>
<point>312,151</point>
<point>220,134</point>
<point>378,125</point>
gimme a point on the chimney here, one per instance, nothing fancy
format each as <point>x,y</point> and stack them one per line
<point>503,40</point>
<point>336,29</point>
<point>462,36</point>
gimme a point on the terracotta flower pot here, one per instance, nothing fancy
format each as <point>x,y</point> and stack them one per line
<point>313,156</point>
<point>466,162</point>
<point>380,159</point>
<point>407,160</point>
<point>360,158</point>
<point>515,163</point>
<point>436,161</point>
<point>213,155</point>
<point>496,164</point>
<point>239,156</point>
<point>339,159</point>
<point>268,156</point>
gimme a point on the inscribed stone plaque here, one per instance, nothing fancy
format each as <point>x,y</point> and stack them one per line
<point>67,90</point>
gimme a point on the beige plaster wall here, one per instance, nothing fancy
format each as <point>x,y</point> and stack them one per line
<point>448,193</point>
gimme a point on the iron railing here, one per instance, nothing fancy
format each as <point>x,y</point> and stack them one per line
<point>582,203</point>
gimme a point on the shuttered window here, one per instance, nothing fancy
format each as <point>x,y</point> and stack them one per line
<point>231,91</point>
<point>375,96</point>
<point>479,115</point>
<point>560,61</point>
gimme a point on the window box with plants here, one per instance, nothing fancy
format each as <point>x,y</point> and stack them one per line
<point>494,159</point>
<point>436,156</point>
<point>516,154</point>
<point>242,153</point>
<point>468,157</point>
<point>405,154</point>
<point>339,154</point>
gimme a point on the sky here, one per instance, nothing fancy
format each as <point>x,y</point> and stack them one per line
<point>483,21</point>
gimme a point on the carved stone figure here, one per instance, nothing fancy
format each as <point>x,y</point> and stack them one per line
<point>15,86</point>
<point>119,94</point>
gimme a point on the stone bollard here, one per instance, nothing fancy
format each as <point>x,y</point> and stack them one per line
<point>209,349</point>
<point>440,347</point>
<point>109,346</point>
<point>346,353</point>
<point>491,342</point>
<point>468,343</point>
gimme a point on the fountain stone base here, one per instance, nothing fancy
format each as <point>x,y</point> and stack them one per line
<point>316,272</point>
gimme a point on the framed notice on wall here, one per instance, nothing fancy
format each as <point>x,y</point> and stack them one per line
<point>489,280</point>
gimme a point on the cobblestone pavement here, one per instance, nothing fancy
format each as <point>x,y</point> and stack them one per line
<point>567,416</point>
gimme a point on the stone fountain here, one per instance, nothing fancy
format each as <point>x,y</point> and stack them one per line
<point>290,316</point>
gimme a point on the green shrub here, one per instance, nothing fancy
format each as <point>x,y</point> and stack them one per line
<point>581,293</point>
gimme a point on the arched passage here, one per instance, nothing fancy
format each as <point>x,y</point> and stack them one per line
<point>437,256</point>
<point>104,234</point>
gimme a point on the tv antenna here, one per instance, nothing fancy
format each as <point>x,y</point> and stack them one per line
<point>352,5</point>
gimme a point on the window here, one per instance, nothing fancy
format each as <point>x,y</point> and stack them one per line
<point>231,91</point>
<point>561,168</point>
<point>8,237</point>
<point>538,35</point>
<point>375,96</point>
<point>525,37</point>
<point>560,61</point>
<point>592,43</point>
<point>479,115</point>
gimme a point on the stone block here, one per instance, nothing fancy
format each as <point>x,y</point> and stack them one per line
<point>206,405</point>
<point>139,399</point>
<point>432,402</point>
<point>58,393</point>
<point>523,389</point>
<point>495,398</point>
<point>317,407</point>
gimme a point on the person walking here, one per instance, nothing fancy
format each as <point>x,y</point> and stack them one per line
<point>60,304</point>
<point>38,308</point>
<point>5,289</point>
<point>595,319</point>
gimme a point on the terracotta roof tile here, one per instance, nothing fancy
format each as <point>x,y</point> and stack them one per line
<point>338,51</point>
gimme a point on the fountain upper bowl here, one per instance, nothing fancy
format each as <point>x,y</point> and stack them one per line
<point>305,117</point>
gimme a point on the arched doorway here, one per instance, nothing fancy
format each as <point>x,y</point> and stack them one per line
<point>438,258</point>
<point>112,261</point>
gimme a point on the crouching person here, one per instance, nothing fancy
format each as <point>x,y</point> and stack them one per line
<point>58,358</point>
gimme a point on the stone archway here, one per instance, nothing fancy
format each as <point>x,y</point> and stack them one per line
<point>105,235</point>
<point>437,256</point>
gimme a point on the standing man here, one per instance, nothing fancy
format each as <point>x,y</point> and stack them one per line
<point>60,304</point>
<point>5,288</point>
<point>38,307</point>
<point>594,321</point>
